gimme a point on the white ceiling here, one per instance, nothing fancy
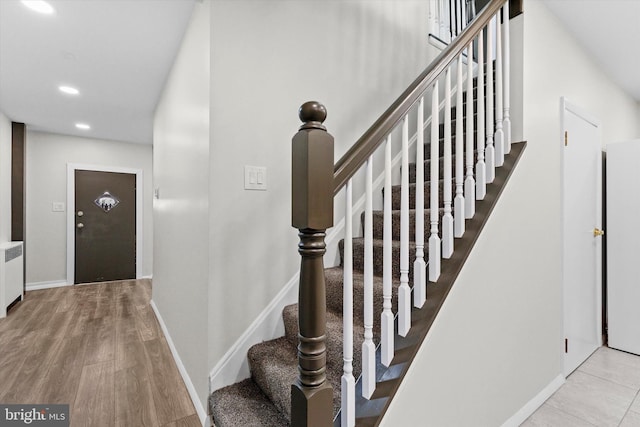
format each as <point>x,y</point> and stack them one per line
<point>118,53</point>
<point>609,30</point>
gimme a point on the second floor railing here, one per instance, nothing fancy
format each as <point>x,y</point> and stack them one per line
<point>448,18</point>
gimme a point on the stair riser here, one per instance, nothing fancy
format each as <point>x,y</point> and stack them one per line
<point>396,190</point>
<point>475,102</point>
<point>333,342</point>
<point>262,371</point>
<point>427,145</point>
<point>334,286</point>
<point>274,368</point>
<point>453,123</point>
<point>358,258</point>
<point>475,91</point>
<point>427,168</point>
<point>378,224</point>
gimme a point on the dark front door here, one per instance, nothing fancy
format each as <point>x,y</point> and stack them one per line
<point>105,219</point>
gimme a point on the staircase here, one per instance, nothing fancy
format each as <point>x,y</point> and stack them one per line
<point>265,399</point>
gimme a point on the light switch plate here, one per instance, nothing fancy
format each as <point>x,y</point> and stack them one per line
<point>57,207</point>
<point>255,178</point>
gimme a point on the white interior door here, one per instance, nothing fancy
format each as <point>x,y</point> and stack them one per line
<point>582,215</point>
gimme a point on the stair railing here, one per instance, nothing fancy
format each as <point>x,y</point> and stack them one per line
<point>481,134</point>
<point>448,18</point>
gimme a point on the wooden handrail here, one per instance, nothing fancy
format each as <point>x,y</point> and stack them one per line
<point>350,163</point>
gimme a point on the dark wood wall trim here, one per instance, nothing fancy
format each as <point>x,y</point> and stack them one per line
<point>18,199</point>
<point>18,139</point>
<point>516,7</point>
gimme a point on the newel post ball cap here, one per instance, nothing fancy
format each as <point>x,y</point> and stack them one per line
<point>312,114</point>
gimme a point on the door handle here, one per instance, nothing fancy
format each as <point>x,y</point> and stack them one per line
<point>597,232</point>
<point>80,225</point>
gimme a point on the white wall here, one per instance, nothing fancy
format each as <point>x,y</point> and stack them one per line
<point>567,70</point>
<point>638,118</point>
<point>181,214</point>
<point>268,58</point>
<point>47,156</point>
<point>5,178</point>
<point>498,341</point>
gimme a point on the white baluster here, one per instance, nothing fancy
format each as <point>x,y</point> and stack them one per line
<point>387,319</point>
<point>450,23</point>
<point>459,16</point>
<point>463,13</point>
<point>443,21</point>
<point>447,219</point>
<point>458,202</point>
<point>419,265</point>
<point>404,292</point>
<point>348,388</point>
<point>470,182</point>
<point>506,120</point>
<point>434,239</point>
<point>368,348</point>
<point>434,26</point>
<point>481,172</point>
<point>489,153</point>
<point>499,135</point>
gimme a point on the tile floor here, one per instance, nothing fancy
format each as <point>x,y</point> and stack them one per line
<point>603,391</point>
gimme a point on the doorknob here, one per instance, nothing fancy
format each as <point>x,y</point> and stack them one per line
<point>80,225</point>
<point>597,232</point>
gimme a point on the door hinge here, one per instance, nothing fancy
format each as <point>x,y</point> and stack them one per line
<point>566,138</point>
<point>566,345</point>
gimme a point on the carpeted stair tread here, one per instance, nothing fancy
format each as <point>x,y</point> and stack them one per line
<point>244,404</point>
<point>358,256</point>
<point>427,144</point>
<point>334,338</point>
<point>396,194</point>
<point>454,121</point>
<point>427,167</point>
<point>274,367</point>
<point>334,284</point>
<point>378,223</point>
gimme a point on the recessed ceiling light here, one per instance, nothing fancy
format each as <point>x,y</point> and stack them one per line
<point>39,6</point>
<point>68,90</point>
<point>83,126</point>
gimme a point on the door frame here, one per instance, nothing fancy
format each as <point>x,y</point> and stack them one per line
<point>71,213</point>
<point>565,106</point>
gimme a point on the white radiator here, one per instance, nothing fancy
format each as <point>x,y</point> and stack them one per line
<point>11,274</point>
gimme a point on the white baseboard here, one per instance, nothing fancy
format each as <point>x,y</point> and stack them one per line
<point>36,286</point>
<point>202,413</point>
<point>531,406</point>
<point>233,366</point>
<point>437,42</point>
<point>147,277</point>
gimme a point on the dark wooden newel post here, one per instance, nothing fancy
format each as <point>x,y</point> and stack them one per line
<point>312,214</point>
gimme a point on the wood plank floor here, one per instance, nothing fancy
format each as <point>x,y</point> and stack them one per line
<point>100,349</point>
